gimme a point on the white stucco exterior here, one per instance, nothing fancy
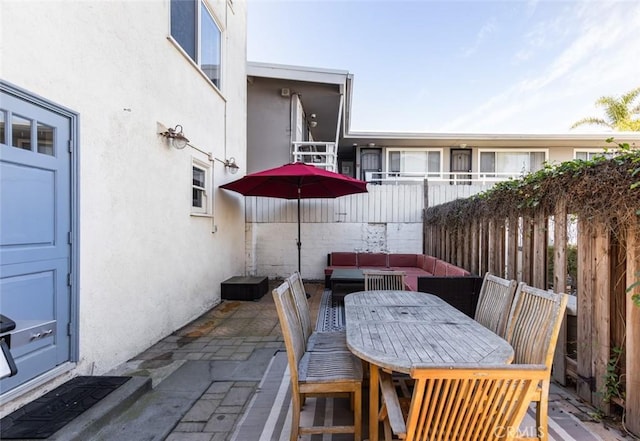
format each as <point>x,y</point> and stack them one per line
<point>146,265</point>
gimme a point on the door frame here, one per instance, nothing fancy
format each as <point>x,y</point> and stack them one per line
<point>451,160</point>
<point>74,264</point>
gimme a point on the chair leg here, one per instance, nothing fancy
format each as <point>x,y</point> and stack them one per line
<point>542,412</point>
<point>357,414</point>
<point>295,416</point>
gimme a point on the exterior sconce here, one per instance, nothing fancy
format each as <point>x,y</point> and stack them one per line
<point>176,137</point>
<point>230,164</point>
<point>312,122</point>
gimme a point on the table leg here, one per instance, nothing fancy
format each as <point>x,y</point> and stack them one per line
<point>374,399</point>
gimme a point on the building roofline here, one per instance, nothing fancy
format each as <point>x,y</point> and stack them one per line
<point>618,136</point>
<point>297,73</point>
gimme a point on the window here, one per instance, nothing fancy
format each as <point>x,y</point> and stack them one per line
<point>511,162</point>
<point>197,32</point>
<point>414,161</point>
<point>589,154</point>
<point>200,200</point>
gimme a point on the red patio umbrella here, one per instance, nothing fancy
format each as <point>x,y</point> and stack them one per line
<point>297,181</point>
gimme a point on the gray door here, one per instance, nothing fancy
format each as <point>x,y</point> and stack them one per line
<point>370,164</point>
<point>461,166</point>
<point>35,222</point>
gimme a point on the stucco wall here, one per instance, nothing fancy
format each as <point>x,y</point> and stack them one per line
<point>147,266</point>
<point>268,125</point>
<point>271,247</point>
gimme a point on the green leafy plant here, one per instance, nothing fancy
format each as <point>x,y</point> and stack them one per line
<point>613,386</point>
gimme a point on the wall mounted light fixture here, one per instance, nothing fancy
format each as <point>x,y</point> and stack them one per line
<point>176,137</point>
<point>312,121</point>
<point>230,164</point>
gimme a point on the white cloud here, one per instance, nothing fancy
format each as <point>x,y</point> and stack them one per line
<point>601,59</point>
<point>485,31</point>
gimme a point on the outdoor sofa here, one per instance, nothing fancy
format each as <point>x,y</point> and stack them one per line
<point>414,265</point>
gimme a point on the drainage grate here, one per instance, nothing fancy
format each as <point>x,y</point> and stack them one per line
<point>46,415</point>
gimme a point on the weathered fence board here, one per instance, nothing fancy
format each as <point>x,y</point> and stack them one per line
<point>584,319</point>
<point>601,331</point>
<point>559,285</point>
<point>632,347</point>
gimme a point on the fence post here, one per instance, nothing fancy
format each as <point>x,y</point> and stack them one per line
<point>584,306</point>
<point>475,255</point>
<point>540,244</point>
<point>632,396</point>
<point>512,248</point>
<point>601,313</point>
<point>527,250</point>
<point>559,285</point>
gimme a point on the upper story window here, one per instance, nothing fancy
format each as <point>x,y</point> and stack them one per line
<point>195,29</point>
<point>589,154</point>
<point>418,161</point>
<point>515,162</point>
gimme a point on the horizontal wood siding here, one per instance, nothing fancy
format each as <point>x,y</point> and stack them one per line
<point>382,204</point>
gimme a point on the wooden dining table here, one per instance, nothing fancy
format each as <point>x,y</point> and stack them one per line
<point>395,330</point>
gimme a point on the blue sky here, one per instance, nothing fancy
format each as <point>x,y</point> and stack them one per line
<point>459,66</point>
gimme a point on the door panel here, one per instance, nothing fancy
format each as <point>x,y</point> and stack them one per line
<point>370,163</point>
<point>461,166</point>
<point>35,221</point>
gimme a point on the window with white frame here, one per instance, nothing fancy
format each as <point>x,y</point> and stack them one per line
<point>511,162</point>
<point>195,29</point>
<point>589,154</point>
<point>426,162</point>
<point>200,183</point>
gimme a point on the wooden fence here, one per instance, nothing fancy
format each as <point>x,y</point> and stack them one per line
<point>606,365</point>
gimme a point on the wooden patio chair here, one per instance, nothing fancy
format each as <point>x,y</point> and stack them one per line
<point>337,373</point>
<point>381,279</point>
<point>481,404</point>
<point>314,341</point>
<point>494,303</point>
<point>532,330</point>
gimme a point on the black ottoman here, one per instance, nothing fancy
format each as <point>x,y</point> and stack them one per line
<point>244,287</point>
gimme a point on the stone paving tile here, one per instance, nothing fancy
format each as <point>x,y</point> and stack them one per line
<point>189,427</point>
<point>190,436</point>
<point>221,422</point>
<point>238,396</point>
<point>201,411</point>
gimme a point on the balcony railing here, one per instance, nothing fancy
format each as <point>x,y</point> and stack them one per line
<point>320,154</point>
<point>451,178</point>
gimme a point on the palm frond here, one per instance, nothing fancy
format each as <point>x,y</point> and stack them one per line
<point>591,120</point>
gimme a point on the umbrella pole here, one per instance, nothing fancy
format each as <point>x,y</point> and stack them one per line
<point>299,243</point>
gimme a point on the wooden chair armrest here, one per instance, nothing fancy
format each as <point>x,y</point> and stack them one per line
<point>393,407</point>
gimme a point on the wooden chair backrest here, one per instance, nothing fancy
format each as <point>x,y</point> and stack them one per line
<point>302,306</point>
<point>494,303</point>
<point>380,279</point>
<point>534,324</point>
<point>471,403</point>
<point>291,329</point>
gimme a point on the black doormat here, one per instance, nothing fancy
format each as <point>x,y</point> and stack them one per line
<point>46,415</point>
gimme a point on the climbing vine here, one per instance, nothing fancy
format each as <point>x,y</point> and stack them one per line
<point>600,189</point>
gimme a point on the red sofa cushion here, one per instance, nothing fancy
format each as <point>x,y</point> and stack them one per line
<point>455,271</point>
<point>344,259</point>
<point>410,260</point>
<point>367,260</point>
<point>440,269</point>
<point>429,264</point>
